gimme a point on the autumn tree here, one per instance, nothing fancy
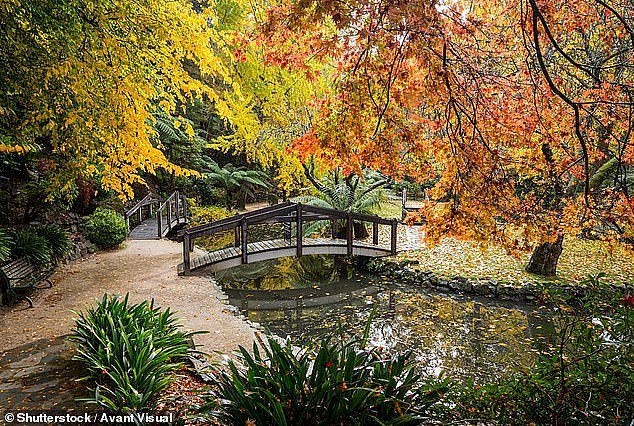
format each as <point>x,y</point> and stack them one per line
<point>81,80</point>
<point>524,109</point>
<point>269,104</point>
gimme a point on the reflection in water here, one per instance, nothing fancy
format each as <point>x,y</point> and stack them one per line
<point>467,338</point>
<point>285,273</point>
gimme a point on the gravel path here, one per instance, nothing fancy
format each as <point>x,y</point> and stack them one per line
<point>145,269</point>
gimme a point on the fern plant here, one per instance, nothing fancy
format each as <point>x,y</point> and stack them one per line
<point>28,244</point>
<point>6,242</point>
<point>57,240</point>
<point>233,180</point>
<point>179,139</point>
<point>353,194</point>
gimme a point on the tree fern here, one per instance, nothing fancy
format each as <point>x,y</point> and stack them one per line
<point>233,180</point>
<point>179,146</point>
<point>355,194</point>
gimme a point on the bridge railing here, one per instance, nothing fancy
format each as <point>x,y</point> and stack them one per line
<point>173,210</point>
<point>296,214</point>
<point>142,210</point>
<point>168,213</point>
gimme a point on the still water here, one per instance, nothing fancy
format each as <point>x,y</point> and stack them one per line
<point>313,296</point>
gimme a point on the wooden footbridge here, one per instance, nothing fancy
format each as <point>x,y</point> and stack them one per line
<point>295,219</point>
<point>154,218</point>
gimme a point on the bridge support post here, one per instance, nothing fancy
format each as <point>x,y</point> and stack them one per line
<point>187,245</point>
<point>159,221</point>
<point>236,237</point>
<point>349,234</point>
<point>375,233</point>
<point>393,236</point>
<point>298,219</point>
<point>243,229</point>
<point>177,202</point>
<point>169,215</point>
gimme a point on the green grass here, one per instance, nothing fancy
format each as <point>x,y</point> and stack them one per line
<point>391,210</point>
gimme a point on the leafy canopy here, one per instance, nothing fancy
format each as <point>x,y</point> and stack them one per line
<point>81,80</point>
<point>515,105</point>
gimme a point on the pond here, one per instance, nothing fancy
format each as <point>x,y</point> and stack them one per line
<point>311,297</point>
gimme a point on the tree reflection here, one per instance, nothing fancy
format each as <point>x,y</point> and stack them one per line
<point>467,338</point>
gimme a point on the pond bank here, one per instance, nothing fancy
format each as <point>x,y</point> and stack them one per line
<point>406,271</point>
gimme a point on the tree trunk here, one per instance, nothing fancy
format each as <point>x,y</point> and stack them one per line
<point>545,257</point>
<point>360,231</point>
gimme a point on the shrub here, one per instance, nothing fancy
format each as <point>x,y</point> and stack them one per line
<point>57,240</point>
<point>200,215</point>
<point>106,228</point>
<point>131,351</point>
<point>28,244</point>
<point>208,214</point>
<point>339,383</point>
<point>6,243</point>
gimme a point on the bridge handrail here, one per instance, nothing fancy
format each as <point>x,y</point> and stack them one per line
<point>170,198</point>
<point>174,205</point>
<point>261,215</point>
<point>285,212</point>
<point>150,198</point>
<point>211,227</point>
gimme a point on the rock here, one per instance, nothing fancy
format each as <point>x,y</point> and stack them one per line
<point>482,289</point>
<point>506,292</point>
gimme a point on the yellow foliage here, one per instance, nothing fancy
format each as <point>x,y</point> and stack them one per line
<point>91,90</point>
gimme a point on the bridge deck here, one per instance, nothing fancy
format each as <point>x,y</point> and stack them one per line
<point>148,229</point>
<point>272,249</point>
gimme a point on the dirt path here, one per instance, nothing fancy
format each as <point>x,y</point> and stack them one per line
<point>145,269</point>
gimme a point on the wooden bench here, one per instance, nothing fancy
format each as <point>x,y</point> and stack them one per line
<point>18,277</point>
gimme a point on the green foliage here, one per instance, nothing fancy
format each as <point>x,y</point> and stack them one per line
<point>130,351</point>
<point>586,376</point>
<point>356,194</point>
<point>106,228</point>
<point>6,243</point>
<point>179,139</point>
<point>200,215</point>
<point>414,189</point>
<point>236,182</point>
<point>57,240</point>
<point>28,244</point>
<point>208,214</point>
<point>206,194</point>
<point>339,383</point>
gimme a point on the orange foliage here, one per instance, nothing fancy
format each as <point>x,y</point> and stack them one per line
<point>514,105</point>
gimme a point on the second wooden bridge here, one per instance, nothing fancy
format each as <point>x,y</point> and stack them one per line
<point>345,232</point>
<point>153,218</point>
